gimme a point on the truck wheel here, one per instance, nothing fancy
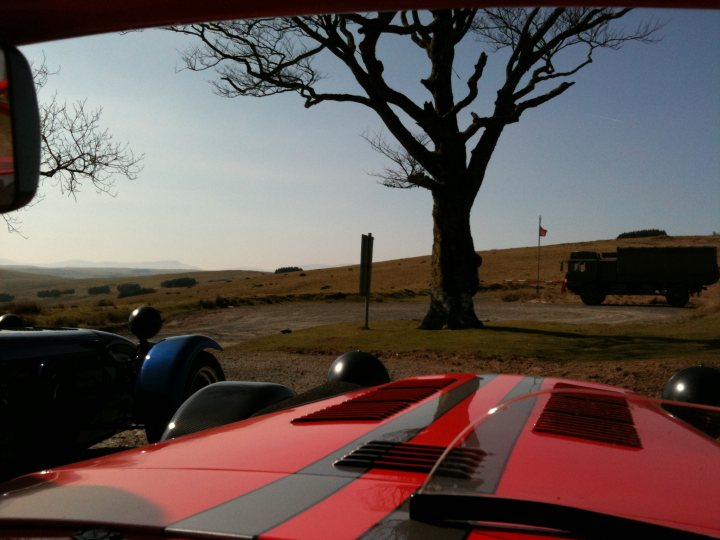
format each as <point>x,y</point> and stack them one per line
<point>677,297</point>
<point>592,297</point>
<point>205,370</point>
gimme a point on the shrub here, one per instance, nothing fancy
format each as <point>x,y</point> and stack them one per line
<point>24,307</point>
<point>103,289</point>
<point>117,316</point>
<point>64,320</point>
<point>6,297</point>
<point>644,233</point>
<point>132,289</point>
<point>53,293</point>
<point>179,282</point>
<point>288,269</point>
<point>224,302</point>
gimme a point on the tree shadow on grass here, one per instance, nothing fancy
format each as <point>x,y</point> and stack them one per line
<point>661,305</point>
<point>632,346</point>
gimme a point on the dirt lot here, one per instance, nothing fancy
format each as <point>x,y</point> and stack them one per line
<point>237,324</point>
<point>303,371</point>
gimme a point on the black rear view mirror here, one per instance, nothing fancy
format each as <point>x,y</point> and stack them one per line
<point>19,131</point>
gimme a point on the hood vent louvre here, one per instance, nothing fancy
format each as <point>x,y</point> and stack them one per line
<point>459,463</point>
<point>380,403</point>
<point>599,418</point>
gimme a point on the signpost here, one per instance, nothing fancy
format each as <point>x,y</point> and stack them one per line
<point>366,248</point>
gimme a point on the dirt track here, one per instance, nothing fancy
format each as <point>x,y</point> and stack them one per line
<point>234,325</point>
<point>302,371</point>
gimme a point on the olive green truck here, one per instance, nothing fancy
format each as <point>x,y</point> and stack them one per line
<point>674,272</point>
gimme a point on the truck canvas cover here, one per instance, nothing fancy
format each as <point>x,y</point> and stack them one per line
<point>696,263</point>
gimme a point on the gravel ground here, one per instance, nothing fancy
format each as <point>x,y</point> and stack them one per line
<point>303,371</point>
<point>237,324</point>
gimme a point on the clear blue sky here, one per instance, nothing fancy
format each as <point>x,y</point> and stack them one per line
<point>263,183</point>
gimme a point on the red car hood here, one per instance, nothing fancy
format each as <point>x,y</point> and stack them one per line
<point>347,467</point>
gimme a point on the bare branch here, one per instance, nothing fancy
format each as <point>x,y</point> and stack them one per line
<point>261,57</point>
<point>537,37</point>
<point>472,85</point>
<point>13,224</point>
<point>75,149</point>
<point>407,172</point>
<point>539,100</point>
<point>269,56</point>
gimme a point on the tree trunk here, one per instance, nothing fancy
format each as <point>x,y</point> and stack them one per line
<point>454,264</point>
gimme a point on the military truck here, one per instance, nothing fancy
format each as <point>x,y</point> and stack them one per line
<point>675,272</point>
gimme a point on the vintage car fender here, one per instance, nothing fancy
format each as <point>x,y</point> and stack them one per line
<point>163,378</point>
<point>167,363</point>
<point>61,390</point>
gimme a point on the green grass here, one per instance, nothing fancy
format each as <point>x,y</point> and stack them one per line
<point>693,339</point>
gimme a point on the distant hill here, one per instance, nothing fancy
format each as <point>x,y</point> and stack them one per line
<point>90,272</point>
<point>153,265</point>
<point>78,269</point>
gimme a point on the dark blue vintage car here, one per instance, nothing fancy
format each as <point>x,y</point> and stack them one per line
<point>65,389</point>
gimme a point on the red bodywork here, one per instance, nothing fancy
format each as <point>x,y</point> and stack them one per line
<point>30,21</point>
<point>276,476</point>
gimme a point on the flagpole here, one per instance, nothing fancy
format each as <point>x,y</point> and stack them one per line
<point>537,284</point>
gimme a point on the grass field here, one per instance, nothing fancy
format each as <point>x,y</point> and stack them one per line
<point>694,338</point>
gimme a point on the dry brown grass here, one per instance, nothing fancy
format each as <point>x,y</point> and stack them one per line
<point>506,275</point>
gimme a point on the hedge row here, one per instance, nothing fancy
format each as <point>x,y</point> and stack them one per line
<point>54,293</point>
<point>179,282</point>
<point>288,269</point>
<point>644,233</point>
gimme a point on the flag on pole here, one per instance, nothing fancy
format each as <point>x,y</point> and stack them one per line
<point>541,232</point>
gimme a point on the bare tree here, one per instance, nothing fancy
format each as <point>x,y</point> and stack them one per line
<point>76,150</point>
<point>265,57</point>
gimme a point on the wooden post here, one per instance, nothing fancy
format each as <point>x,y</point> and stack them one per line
<point>366,247</point>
